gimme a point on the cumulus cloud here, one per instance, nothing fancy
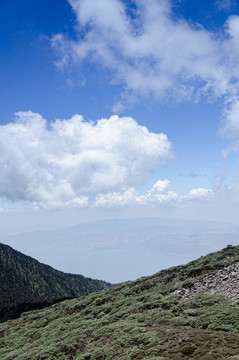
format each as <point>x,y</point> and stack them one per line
<point>159,195</point>
<point>77,164</point>
<point>152,52</point>
<point>200,194</point>
<point>112,199</point>
<point>71,161</point>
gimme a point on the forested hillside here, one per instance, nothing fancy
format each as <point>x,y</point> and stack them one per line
<point>25,283</point>
<point>184,312</point>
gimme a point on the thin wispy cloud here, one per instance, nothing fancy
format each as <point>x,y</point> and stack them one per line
<point>225,5</point>
<point>153,53</point>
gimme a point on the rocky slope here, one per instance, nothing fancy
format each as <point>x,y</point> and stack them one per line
<point>223,282</point>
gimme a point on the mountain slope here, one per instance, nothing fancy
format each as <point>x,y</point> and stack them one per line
<point>25,283</point>
<point>146,319</point>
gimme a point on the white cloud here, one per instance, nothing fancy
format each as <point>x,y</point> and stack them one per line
<point>159,187</point>
<point>159,195</point>
<point>200,194</point>
<point>152,52</point>
<point>71,161</point>
<point>77,164</point>
<point>114,199</point>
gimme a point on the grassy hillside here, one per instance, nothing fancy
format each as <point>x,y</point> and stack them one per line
<point>145,319</point>
<point>25,283</point>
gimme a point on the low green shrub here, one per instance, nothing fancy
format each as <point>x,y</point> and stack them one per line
<point>188,350</point>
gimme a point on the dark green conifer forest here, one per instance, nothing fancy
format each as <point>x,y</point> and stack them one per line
<point>26,284</point>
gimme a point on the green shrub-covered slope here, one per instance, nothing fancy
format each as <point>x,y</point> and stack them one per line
<point>144,319</point>
<point>25,283</point>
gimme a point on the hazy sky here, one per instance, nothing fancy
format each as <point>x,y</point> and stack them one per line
<point>113,108</point>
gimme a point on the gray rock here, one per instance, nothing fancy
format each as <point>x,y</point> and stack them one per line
<point>224,282</point>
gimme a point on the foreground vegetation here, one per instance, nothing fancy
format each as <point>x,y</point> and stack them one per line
<point>144,319</point>
<point>26,284</point>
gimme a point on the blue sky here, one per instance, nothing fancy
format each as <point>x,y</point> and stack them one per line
<point>155,86</point>
<point>119,109</point>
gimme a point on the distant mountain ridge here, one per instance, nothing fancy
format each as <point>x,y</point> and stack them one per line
<point>146,244</point>
<point>25,283</point>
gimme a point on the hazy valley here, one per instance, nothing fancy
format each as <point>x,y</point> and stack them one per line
<point>129,247</point>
